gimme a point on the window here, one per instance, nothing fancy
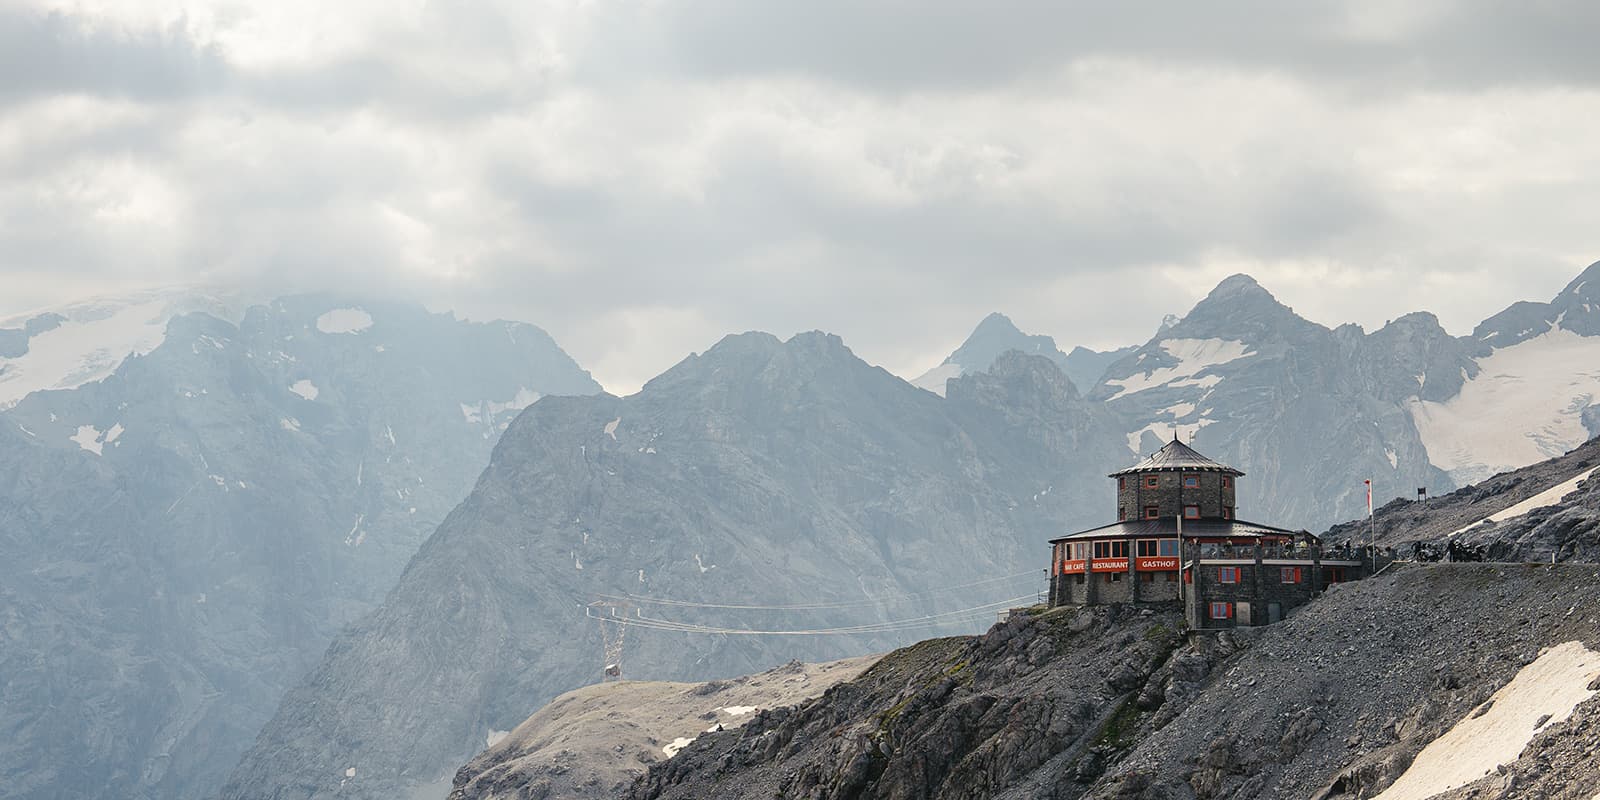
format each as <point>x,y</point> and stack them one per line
<point>1227,574</point>
<point>1105,549</point>
<point>1191,512</point>
<point>1221,610</point>
<point>1078,578</point>
<point>1147,548</point>
<point>1227,512</point>
<point>1122,482</point>
<point>1122,514</point>
<point>1291,574</point>
<point>1191,481</point>
<point>1335,574</point>
<point>1151,512</point>
<point>1111,577</point>
<point>1172,577</point>
<point>1167,547</point>
<point>1147,577</point>
<point>1150,481</point>
<point>1227,482</point>
<point>1080,551</point>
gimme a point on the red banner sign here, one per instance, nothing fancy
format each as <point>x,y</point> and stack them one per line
<point>1070,567</point>
<point>1111,565</point>
<point>1158,562</point>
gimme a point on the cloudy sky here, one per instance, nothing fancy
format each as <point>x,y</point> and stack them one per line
<point>640,177</point>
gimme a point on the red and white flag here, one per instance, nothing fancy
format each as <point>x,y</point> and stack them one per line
<point>1369,496</point>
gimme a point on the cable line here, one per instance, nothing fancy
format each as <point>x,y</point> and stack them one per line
<point>928,620</point>
<point>816,606</point>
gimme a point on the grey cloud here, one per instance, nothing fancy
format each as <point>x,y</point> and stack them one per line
<point>899,45</point>
<point>51,52</point>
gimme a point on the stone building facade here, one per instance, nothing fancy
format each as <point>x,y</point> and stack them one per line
<point>1178,540</point>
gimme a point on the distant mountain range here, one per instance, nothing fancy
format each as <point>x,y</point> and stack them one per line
<point>188,530</point>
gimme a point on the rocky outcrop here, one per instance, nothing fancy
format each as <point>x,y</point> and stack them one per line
<point>593,742</point>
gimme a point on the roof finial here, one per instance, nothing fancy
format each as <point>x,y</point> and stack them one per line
<point>1174,433</point>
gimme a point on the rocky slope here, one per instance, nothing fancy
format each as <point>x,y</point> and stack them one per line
<point>184,535</point>
<point>1337,701</point>
<point>595,741</point>
<point>761,473</point>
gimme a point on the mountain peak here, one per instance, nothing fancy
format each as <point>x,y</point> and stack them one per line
<point>995,324</point>
<point>1237,284</point>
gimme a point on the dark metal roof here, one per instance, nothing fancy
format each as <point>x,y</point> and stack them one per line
<point>1177,456</point>
<point>1192,528</point>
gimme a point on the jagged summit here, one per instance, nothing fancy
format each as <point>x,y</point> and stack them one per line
<point>994,335</point>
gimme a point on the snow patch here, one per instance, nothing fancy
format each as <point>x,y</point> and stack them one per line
<point>738,711</point>
<point>356,536</point>
<point>1525,405</point>
<point>1394,460</point>
<point>305,389</point>
<point>1548,497</point>
<point>702,565</point>
<point>88,438</point>
<point>471,414</point>
<point>24,429</point>
<point>676,745</point>
<point>493,737</point>
<point>389,432</point>
<point>934,379</point>
<point>611,428</point>
<point>1194,356</point>
<point>344,320</point>
<point>1496,733</point>
<point>289,424</point>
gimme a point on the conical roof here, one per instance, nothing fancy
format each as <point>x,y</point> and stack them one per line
<point>1177,456</point>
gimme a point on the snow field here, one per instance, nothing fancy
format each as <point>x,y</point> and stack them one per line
<point>1525,406</point>
<point>1542,694</point>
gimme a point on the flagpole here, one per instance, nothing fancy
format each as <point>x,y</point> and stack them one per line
<point>1372,534</point>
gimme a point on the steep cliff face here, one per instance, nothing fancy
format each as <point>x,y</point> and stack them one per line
<point>761,473</point>
<point>185,534</point>
<point>1339,701</point>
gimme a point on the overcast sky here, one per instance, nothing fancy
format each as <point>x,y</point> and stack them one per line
<point>642,177</point>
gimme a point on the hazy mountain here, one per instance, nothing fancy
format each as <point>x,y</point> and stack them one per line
<point>759,473</point>
<point>1307,412</point>
<point>997,334</point>
<point>184,535</point>
<point>1311,412</point>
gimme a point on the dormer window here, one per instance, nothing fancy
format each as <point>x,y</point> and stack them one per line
<point>1191,512</point>
<point>1191,481</point>
<point>1151,481</point>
